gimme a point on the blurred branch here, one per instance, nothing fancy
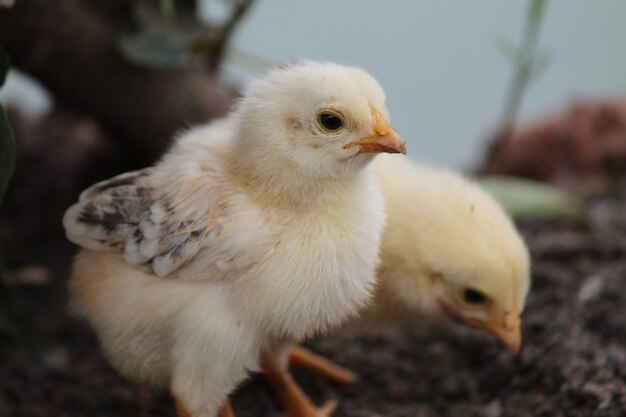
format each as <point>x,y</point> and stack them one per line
<point>225,32</point>
<point>172,35</point>
<point>526,64</point>
<point>70,46</point>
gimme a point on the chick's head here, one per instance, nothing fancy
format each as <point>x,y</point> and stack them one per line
<point>450,251</point>
<point>319,119</point>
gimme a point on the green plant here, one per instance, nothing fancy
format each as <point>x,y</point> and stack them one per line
<point>524,198</point>
<point>527,63</point>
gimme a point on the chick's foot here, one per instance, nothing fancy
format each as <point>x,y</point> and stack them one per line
<point>296,403</point>
<point>301,357</point>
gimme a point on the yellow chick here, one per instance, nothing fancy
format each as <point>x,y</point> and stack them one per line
<point>258,229</point>
<point>448,252</point>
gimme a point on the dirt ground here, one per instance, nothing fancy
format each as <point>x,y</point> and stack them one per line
<point>573,360</point>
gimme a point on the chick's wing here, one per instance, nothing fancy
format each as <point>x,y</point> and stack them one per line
<point>126,214</point>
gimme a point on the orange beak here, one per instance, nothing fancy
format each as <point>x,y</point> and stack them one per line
<point>383,139</point>
<point>506,331</point>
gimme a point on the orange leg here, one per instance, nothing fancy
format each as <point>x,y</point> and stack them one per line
<point>225,411</point>
<point>299,356</point>
<point>296,403</point>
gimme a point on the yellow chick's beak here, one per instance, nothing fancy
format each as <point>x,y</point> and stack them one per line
<point>507,330</point>
<point>383,139</point>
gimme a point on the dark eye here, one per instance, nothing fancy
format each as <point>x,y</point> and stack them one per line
<point>472,296</point>
<point>330,121</point>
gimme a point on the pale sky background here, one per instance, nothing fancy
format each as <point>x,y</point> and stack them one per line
<point>445,80</point>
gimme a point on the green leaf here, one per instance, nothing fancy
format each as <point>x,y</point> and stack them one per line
<point>523,198</point>
<point>507,49</point>
<point>536,10</point>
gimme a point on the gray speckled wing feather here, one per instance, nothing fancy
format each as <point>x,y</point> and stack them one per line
<point>122,215</point>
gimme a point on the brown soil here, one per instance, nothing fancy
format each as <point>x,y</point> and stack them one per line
<point>573,362</point>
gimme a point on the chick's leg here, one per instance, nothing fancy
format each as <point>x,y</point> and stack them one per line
<point>299,356</point>
<point>296,403</point>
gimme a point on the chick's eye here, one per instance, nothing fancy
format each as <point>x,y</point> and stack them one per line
<point>330,121</point>
<point>472,296</point>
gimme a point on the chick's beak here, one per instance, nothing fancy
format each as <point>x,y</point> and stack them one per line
<point>506,328</point>
<point>384,138</point>
<point>506,331</point>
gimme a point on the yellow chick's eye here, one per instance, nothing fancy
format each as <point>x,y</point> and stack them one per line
<point>330,121</point>
<point>474,297</point>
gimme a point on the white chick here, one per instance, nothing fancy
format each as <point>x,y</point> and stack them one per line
<point>262,227</point>
<point>448,252</point>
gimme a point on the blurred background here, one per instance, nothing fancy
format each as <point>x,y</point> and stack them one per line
<point>529,97</point>
<point>442,64</point>
<point>435,59</point>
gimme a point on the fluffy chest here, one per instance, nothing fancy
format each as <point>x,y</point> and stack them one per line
<point>320,271</point>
